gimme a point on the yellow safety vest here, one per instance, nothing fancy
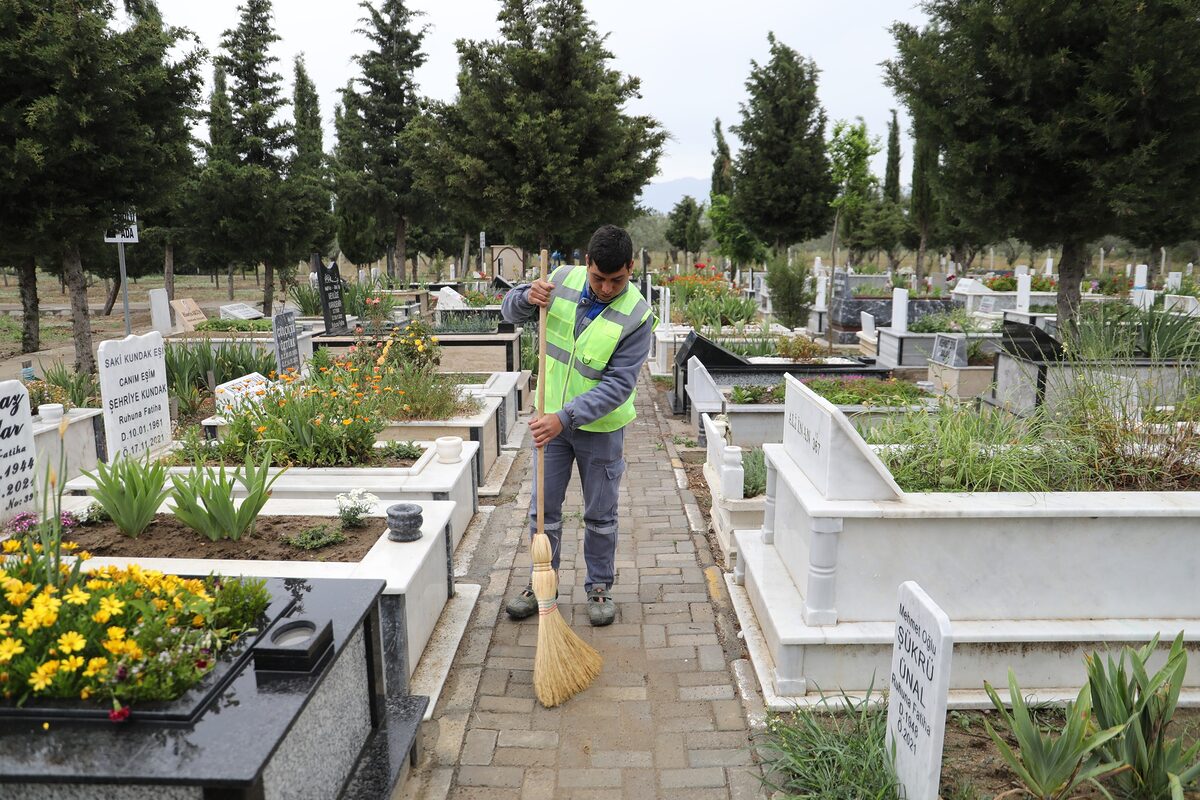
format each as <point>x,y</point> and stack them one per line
<point>573,366</point>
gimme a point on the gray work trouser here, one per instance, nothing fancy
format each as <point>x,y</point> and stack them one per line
<point>601,464</point>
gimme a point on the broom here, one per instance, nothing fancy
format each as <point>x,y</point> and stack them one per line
<point>565,664</point>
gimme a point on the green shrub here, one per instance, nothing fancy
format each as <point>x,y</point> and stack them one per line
<point>308,298</point>
<point>790,299</point>
<point>316,538</point>
<point>130,491</point>
<point>238,603</point>
<point>81,388</point>
<point>239,325</point>
<point>204,499</point>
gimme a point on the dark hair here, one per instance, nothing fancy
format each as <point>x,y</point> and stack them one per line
<point>610,248</point>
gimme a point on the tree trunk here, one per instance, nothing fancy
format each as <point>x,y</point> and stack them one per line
<point>169,270</point>
<point>229,279</point>
<point>833,240</point>
<point>466,255</point>
<point>416,262</point>
<point>402,245</point>
<point>30,324</point>
<point>1070,274</point>
<point>268,287</point>
<point>919,269</point>
<point>111,299</point>
<point>85,359</point>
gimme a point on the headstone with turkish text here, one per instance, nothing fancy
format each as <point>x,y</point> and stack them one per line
<point>987,305</point>
<point>133,394</point>
<point>188,313</point>
<point>240,311</point>
<point>18,474</point>
<point>287,346</point>
<point>918,691</point>
<point>949,350</point>
<point>329,285</point>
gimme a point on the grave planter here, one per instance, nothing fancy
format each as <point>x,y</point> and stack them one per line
<point>960,383</point>
<point>845,320</point>
<point>268,733</point>
<point>485,426</point>
<point>461,352</point>
<point>507,387</point>
<point>409,296</point>
<point>970,297</point>
<point>263,340</point>
<point>668,338</point>
<point>1016,572</point>
<point>83,442</point>
<point>907,349</point>
<point>723,473</point>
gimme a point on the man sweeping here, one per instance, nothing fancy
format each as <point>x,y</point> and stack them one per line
<point>597,338</point>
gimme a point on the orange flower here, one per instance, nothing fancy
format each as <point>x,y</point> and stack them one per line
<point>347,421</point>
<point>261,428</point>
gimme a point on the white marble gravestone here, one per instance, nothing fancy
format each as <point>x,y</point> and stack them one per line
<point>918,690</point>
<point>448,298</point>
<point>867,323</point>
<point>1144,298</point>
<point>900,310</point>
<point>18,474</point>
<point>829,451</point>
<point>1174,280</point>
<point>133,393</point>
<point>987,305</point>
<point>160,312</point>
<point>1024,282</point>
<point>240,311</point>
<point>1140,275</point>
<point>235,394</point>
<point>820,301</point>
<point>1049,268</point>
<point>375,275</point>
<point>1022,269</point>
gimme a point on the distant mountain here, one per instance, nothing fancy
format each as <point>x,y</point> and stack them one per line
<point>663,196</point>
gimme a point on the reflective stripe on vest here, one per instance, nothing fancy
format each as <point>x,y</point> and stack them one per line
<point>573,366</point>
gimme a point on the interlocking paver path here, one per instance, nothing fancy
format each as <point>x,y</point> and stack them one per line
<point>662,720</point>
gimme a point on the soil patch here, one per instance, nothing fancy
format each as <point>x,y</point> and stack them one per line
<point>167,537</point>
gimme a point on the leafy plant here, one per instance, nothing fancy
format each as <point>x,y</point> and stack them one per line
<point>402,450</point>
<point>354,506</point>
<point>855,390</point>
<point>1051,767</point>
<point>315,538</point>
<point>466,323</point>
<point>130,491</point>
<point>308,298</point>
<point>841,756</point>
<point>1159,766</point>
<point>241,325</point>
<point>754,473</point>
<point>41,393</point>
<point>790,295</point>
<point>800,349</point>
<point>957,321</point>
<point>81,388</point>
<point>204,499</point>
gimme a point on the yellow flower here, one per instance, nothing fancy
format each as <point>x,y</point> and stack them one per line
<point>198,621</point>
<point>101,616</point>
<point>116,633</point>
<point>11,545</point>
<point>85,693</point>
<point>16,598</point>
<point>71,641</point>
<point>95,665</point>
<point>71,663</point>
<point>76,596</point>
<point>10,648</point>
<point>112,605</point>
<point>114,646</point>
<point>41,677</point>
<point>261,428</point>
<point>347,421</point>
<point>132,650</point>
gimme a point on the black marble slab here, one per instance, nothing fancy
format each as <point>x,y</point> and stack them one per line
<point>227,746</point>
<point>391,747</point>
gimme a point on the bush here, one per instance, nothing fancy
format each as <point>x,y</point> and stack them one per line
<point>307,298</point>
<point>130,491</point>
<point>790,298</point>
<point>316,538</point>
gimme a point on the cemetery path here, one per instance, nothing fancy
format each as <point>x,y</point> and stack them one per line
<point>664,719</point>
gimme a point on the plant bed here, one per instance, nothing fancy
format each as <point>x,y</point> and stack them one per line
<point>262,340</point>
<point>841,531</point>
<point>913,348</point>
<point>82,444</point>
<point>259,735</point>
<point>845,320</point>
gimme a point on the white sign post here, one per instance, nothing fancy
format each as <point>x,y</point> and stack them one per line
<point>133,393</point>
<point>919,688</point>
<point>125,232</point>
<point>18,475</point>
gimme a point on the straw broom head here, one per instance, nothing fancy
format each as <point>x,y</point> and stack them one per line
<point>565,664</point>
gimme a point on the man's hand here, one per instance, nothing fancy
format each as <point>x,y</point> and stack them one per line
<point>539,293</point>
<point>545,428</point>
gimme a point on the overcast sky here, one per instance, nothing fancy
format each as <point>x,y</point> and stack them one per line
<point>693,58</point>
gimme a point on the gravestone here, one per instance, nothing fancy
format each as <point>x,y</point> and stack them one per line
<point>1022,269</point>
<point>664,311</point>
<point>18,473</point>
<point>918,690</point>
<point>375,275</point>
<point>1140,275</point>
<point>287,346</point>
<point>938,280</point>
<point>867,323</point>
<point>187,313</point>
<point>133,394</point>
<point>240,311</point>
<point>987,305</point>
<point>1024,282</point>
<point>1174,280</point>
<point>900,310</point>
<point>1189,269</point>
<point>1128,268</point>
<point>1144,298</point>
<point>820,301</point>
<point>333,308</point>
<point>447,298</point>
<point>160,312</point>
<point>841,285</point>
<point>235,394</point>
<point>1049,267</point>
<point>949,349</point>
<point>829,451</point>
<point>362,277</point>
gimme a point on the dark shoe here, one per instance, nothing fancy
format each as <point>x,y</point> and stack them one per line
<point>601,608</point>
<point>523,605</point>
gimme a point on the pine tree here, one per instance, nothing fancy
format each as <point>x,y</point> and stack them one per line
<point>380,105</point>
<point>539,145</point>
<point>260,142</point>
<point>722,172</point>
<point>307,185</point>
<point>99,113</point>
<point>681,218</point>
<point>784,188</point>
<point>891,174</point>
<point>1084,119</point>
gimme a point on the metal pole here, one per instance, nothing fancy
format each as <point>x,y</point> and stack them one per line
<point>124,287</point>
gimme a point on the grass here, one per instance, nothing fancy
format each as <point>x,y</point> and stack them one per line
<point>840,756</point>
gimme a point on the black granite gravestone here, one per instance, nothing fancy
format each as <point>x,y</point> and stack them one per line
<point>1030,342</point>
<point>287,346</point>
<point>710,354</point>
<point>332,307</point>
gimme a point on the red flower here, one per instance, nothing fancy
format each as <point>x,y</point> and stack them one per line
<point>201,663</point>
<point>119,712</point>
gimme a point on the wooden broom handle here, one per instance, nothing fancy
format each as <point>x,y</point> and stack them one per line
<point>543,313</point>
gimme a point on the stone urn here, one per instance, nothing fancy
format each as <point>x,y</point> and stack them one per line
<point>404,522</point>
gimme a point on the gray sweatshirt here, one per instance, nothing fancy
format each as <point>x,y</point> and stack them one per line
<point>620,376</point>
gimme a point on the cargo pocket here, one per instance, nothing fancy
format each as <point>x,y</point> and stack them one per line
<point>615,469</point>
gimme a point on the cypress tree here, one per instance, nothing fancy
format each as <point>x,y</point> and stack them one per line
<point>722,171</point>
<point>308,186</point>
<point>891,174</point>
